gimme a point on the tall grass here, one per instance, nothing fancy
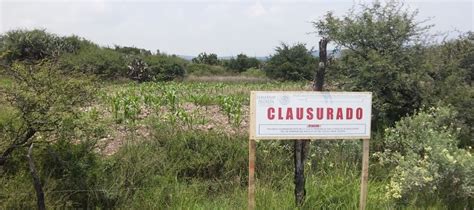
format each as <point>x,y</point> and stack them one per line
<point>178,168</point>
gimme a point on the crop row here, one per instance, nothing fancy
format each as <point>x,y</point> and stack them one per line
<point>166,100</point>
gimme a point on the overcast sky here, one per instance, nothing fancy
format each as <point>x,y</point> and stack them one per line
<point>190,27</point>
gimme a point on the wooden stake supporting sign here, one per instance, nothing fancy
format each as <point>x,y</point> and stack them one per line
<point>251,193</point>
<point>309,115</point>
<point>364,178</point>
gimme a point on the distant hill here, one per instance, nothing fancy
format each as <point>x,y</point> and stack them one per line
<point>186,57</point>
<point>261,58</point>
<point>190,57</point>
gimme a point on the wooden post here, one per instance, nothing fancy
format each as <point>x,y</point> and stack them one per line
<point>300,191</point>
<point>365,175</point>
<point>252,158</point>
<point>301,147</point>
<point>36,180</point>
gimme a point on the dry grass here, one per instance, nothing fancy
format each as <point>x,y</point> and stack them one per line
<point>230,79</point>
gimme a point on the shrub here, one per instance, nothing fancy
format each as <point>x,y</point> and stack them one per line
<point>383,55</point>
<point>449,71</point>
<point>72,167</point>
<point>34,45</point>
<point>426,163</point>
<point>291,63</point>
<point>241,63</point>
<point>104,62</point>
<point>165,68</point>
<point>254,72</point>
<point>132,50</point>
<point>204,58</point>
<point>205,70</point>
<point>170,71</point>
<point>138,70</point>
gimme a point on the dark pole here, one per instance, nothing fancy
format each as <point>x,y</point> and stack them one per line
<point>323,62</point>
<point>300,191</point>
<point>301,147</point>
<point>36,180</point>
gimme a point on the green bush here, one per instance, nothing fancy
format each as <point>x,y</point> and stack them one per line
<point>383,55</point>
<point>204,58</point>
<point>34,45</point>
<point>241,63</point>
<point>165,68</point>
<point>426,163</point>
<point>72,167</point>
<point>449,68</point>
<point>138,70</point>
<point>291,63</point>
<point>254,72</point>
<point>198,69</point>
<point>169,72</point>
<point>103,62</point>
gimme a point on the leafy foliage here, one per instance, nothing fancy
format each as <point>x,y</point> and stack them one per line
<point>198,69</point>
<point>34,45</point>
<point>204,58</point>
<point>291,63</point>
<point>43,95</point>
<point>384,56</point>
<point>241,63</point>
<point>253,72</point>
<point>165,68</point>
<point>427,162</point>
<point>94,60</point>
<point>448,80</point>
<point>132,51</point>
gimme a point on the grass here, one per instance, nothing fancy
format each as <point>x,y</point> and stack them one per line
<point>185,168</point>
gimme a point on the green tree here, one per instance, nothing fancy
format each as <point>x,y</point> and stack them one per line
<point>383,55</point>
<point>204,58</point>
<point>425,163</point>
<point>132,50</point>
<point>291,63</point>
<point>103,62</point>
<point>165,68</point>
<point>34,45</point>
<point>448,80</point>
<point>45,103</point>
<point>241,63</point>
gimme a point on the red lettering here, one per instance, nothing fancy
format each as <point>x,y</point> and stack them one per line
<point>289,113</point>
<point>280,117</point>
<point>359,113</point>
<point>348,113</point>
<point>319,113</point>
<point>271,113</point>
<point>299,113</point>
<point>339,114</point>
<point>309,113</point>
<point>329,113</point>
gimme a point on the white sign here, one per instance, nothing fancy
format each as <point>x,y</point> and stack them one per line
<point>310,115</point>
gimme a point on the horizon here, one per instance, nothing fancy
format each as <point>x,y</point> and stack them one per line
<point>226,28</point>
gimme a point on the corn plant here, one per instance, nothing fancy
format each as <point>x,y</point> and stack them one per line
<point>125,106</point>
<point>131,107</point>
<point>185,117</point>
<point>115,101</point>
<point>232,107</point>
<point>171,98</point>
<point>202,100</point>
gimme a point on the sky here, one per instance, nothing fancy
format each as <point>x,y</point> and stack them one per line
<point>186,27</point>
